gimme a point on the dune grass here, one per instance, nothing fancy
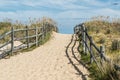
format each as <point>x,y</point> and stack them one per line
<point>104,32</point>
<point>5,26</point>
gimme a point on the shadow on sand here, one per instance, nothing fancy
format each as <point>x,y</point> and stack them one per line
<point>69,58</point>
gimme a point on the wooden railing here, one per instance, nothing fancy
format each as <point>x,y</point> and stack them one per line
<point>97,54</point>
<point>88,43</point>
<point>38,37</point>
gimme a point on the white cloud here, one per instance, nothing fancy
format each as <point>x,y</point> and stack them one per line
<point>108,12</point>
<point>96,2</point>
<point>71,10</point>
<point>9,2</point>
<point>58,4</point>
<point>24,15</point>
<point>66,12</point>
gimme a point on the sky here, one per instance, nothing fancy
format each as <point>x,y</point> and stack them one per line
<point>67,13</point>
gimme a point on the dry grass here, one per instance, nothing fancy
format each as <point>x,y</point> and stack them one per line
<point>104,31</point>
<point>6,25</point>
<point>101,28</point>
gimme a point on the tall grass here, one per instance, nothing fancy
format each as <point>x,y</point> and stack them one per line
<point>6,25</point>
<point>104,31</point>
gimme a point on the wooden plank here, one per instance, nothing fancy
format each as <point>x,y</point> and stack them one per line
<point>31,44</point>
<point>40,34</point>
<point>4,54</point>
<point>98,50</point>
<point>5,34</point>
<point>30,36</point>
<point>18,39</point>
<point>17,30</point>
<point>22,46</point>
<point>87,35</point>
<point>5,44</point>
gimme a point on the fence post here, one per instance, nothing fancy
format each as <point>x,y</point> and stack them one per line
<point>43,31</point>
<point>36,33</point>
<point>12,39</point>
<point>40,37</point>
<point>102,52</point>
<point>86,40</point>
<point>91,50</point>
<point>27,37</point>
<point>83,38</point>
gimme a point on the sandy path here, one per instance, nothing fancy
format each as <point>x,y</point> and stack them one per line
<point>47,62</point>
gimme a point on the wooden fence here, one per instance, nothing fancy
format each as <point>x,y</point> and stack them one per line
<point>97,54</point>
<point>88,43</point>
<point>38,35</point>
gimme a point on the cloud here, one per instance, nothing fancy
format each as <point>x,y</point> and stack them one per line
<point>21,9</point>
<point>108,12</point>
<point>58,4</point>
<point>66,12</point>
<point>24,15</point>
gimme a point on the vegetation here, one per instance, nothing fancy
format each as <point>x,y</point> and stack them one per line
<point>48,36</point>
<point>115,45</point>
<point>46,24</point>
<point>6,25</point>
<point>105,31</point>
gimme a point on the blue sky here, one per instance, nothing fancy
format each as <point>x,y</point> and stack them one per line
<point>67,13</point>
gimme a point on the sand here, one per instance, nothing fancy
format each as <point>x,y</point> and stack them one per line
<point>47,62</point>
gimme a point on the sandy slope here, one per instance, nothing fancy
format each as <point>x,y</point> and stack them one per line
<point>47,62</point>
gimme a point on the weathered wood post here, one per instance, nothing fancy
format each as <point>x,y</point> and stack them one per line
<point>38,29</point>
<point>40,36</point>
<point>86,40</point>
<point>36,33</point>
<point>102,53</point>
<point>27,37</point>
<point>91,50</point>
<point>12,39</point>
<point>45,28</point>
<point>43,33</point>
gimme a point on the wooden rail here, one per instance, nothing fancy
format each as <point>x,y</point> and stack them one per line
<point>88,43</point>
<point>88,46</point>
<point>37,37</point>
